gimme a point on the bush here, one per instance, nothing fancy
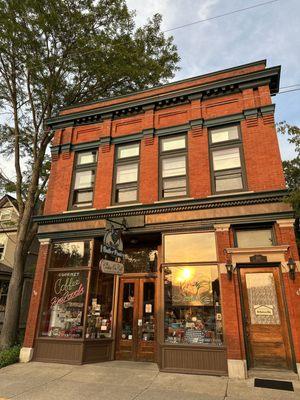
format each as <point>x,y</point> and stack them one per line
<point>9,356</point>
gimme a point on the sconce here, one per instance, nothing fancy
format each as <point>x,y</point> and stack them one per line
<point>292,268</point>
<point>229,269</point>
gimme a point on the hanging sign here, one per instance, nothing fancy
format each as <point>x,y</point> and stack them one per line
<point>111,267</point>
<point>112,243</point>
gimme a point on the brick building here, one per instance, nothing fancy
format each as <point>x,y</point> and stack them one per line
<point>191,173</point>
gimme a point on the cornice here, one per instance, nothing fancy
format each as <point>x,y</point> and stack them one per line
<point>172,206</point>
<point>223,86</point>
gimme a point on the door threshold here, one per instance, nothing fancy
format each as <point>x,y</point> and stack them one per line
<point>279,374</point>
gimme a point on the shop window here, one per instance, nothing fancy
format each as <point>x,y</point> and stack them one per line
<point>3,296</point>
<point>173,166</point>
<point>99,317</point>
<point>71,254</point>
<point>192,305</point>
<point>126,173</point>
<point>2,248</point>
<point>84,179</point>
<point>254,237</point>
<point>190,247</point>
<point>226,159</point>
<point>64,303</point>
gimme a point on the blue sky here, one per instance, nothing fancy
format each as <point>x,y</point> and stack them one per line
<point>270,32</point>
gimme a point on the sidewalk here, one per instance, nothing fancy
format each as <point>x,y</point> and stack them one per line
<point>121,380</point>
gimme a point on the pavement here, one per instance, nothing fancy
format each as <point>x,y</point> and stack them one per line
<point>122,380</point>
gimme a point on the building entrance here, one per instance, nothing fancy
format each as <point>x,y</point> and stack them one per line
<point>265,321</point>
<point>136,326</point>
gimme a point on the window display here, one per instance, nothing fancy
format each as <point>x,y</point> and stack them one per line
<point>192,305</point>
<point>99,317</point>
<point>63,309</point>
<point>71,254</point>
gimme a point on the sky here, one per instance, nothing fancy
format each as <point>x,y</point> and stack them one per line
<point>270,32</point>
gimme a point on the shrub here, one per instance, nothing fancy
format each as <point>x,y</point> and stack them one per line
<point>9,356</point>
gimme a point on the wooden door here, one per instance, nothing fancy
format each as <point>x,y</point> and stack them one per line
<point>265,321</point>
<point>136,327</point>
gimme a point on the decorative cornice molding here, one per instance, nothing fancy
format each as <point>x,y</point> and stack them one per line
<point>286,223</point>
<point>215,88</point>
<point>189,205</point>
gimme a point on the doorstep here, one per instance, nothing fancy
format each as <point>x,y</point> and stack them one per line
<point>281,374</point>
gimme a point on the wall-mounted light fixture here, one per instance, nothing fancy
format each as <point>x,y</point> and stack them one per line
<point>229,269</point>
<point>292,268</point>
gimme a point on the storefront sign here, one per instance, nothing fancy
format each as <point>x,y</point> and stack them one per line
<point>67,287</point>
<point>111,267</point>
<point>112,243</point>
<point>263,310</point>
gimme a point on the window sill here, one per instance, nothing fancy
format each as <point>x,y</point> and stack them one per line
<point>174,199</point>
<point>125,205</point>
<point>230,193</point>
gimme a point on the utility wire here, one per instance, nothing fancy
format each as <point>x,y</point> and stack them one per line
<point>221,15</point>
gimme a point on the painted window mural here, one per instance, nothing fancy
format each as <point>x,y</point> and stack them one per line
<point>192,305</point>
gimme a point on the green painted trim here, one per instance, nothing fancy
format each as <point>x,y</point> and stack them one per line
<point>148,132</point>
<point>172,206</point>
<point>86,146</point>
<point>269,109</point>
<point>196,122</point>
<point>172,129</point>
<point>273,72</point>
<point>129,138</point>
<point>251,112</point>
<point>105,140</point>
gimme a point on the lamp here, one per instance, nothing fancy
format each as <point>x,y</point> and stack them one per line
<point>229,269</point>
<point>292,268</point>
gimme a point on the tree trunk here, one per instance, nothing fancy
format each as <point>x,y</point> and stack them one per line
<point>13,305</point>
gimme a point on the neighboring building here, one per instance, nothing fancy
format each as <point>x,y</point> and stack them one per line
<point>8,235</point>
<point>211,282</point>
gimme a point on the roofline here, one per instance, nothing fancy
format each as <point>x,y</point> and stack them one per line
<point>239,79</point>
<point>221,71</point>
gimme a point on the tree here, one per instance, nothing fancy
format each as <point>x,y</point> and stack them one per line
<point>291,168</point>
<point>55,53</point>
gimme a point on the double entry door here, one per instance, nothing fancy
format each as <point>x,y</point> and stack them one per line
<point>265,320</point>
<point>136,326</point>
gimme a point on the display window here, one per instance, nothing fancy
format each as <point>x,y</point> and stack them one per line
<point>192,305</point>
<point>64,302</point>
<point>71,254</point>
<point>100,306</point>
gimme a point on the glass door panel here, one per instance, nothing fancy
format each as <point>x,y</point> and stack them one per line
<point>148,322</point>
<point>127,311</point>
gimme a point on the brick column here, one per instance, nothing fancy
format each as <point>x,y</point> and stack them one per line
<point>285,234</point>
<point>35,302</point>
<point>231,310</point>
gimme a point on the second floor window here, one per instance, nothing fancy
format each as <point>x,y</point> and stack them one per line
<point>173,166</point>
<point>126,173</point>
<point>2,251</point>
<point>84,179</point>
<point>226,159</point>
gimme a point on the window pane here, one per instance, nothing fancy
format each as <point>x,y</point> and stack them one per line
<point>223,134</point>
<point>83,199</point>
<point>174,166</point>
<point>70,254</point>
<point>84,179</point>
<point>229,182</point>
<point>226,159</point>
<point>190,247</point>
<point>99,317</point>
<point>173,143</point>
<point>192,305</point>
<point>126,194</point>
<point>174,187</point>
<point>127,173</point>
<point>128,150</point>
<point>254,238</point>
<point>140,259</point>
<point>87,157</point>
<point>63,309</point>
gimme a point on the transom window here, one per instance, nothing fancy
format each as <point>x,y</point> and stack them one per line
<point>84,179</point>
<point>226,159</point>
<point>126,173</point>
<point>259,237</point>
<point>173,166</point>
